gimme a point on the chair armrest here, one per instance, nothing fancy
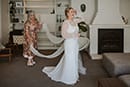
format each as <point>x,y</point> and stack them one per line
<point>6,49</point>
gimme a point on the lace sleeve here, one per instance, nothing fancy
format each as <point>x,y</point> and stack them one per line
<point>65,34</point>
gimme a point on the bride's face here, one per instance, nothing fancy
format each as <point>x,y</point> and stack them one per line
<point>71,13</point>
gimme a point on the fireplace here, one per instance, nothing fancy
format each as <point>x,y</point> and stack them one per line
<point>107,23</point>
<point>110,40</point>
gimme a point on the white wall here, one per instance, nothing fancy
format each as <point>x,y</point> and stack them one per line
<point>4,21</point>
<point>124,8</point>
<point>0,22</point>
<point>108,12</point>
<point>90,9</point>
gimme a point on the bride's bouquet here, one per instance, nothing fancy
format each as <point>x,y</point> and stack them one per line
<point>83,27</point>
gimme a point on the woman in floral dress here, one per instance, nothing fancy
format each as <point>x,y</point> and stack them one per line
<point>31,27</point>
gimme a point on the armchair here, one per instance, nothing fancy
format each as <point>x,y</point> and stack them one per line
<point>5,52</point>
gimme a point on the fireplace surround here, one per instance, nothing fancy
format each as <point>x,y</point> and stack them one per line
<point>108,16</point>
<point>93,36</point>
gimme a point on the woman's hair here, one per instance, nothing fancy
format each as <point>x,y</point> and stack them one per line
<point>67,10</point>
<point>30,12</point>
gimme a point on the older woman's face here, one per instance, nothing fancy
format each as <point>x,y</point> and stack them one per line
<point>71,13</point>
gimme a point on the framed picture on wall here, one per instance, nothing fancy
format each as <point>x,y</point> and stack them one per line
<point>19,4</point>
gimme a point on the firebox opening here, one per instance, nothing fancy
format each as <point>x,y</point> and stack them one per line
<point>110,40</point>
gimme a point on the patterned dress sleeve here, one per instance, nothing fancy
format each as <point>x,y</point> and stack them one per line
<point>27,32</point>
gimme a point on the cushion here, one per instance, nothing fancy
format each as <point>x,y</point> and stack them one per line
<point>116,63</point>
<point>125,79</point>
<point>19,26</point>
<point>18,39</point>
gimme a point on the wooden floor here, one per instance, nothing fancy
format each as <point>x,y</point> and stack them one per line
<point>18,74</point>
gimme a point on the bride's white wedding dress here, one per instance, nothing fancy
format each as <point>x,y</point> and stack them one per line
<point>67,69</point>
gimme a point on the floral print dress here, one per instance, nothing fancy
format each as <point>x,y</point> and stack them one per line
<point>30,36</point>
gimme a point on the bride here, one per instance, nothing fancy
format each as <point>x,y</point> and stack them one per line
<point>67,70</point>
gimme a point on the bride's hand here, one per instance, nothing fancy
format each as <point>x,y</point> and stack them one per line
<point>78,34</point>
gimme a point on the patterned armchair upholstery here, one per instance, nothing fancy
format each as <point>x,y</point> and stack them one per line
<point>18,39</point>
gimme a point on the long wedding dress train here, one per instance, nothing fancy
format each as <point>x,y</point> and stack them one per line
<point>67,69</point>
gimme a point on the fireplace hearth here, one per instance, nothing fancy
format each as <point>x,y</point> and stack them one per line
<point>110,40</point>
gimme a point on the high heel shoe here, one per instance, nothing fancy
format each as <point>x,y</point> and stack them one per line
<point>25,56</point>
<point>29,63</point>
<point>33,62</point>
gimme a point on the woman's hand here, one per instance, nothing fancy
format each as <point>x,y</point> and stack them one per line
<point>77,35</point>
<point>40,25</point>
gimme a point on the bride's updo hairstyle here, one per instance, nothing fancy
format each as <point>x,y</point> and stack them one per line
<point>67,10</point>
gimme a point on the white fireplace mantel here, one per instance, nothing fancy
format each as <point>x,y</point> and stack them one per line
<point>93,35</point>
<point>108,12</point>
